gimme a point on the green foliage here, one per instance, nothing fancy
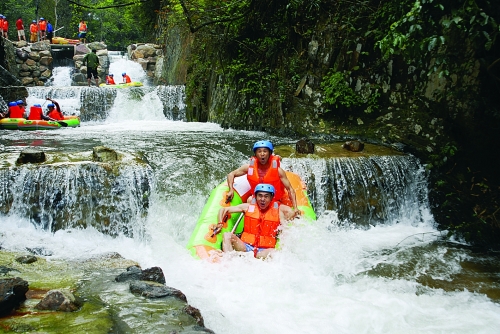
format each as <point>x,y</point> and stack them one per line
<point>338,93</point>
<point>425,27</point>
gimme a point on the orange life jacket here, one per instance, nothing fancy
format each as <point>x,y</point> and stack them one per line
<point>261,228</point>
<point>55,114</point>
<point>35,113</point>
<point>33,28</point>
<point>42,25</point>
<point>127,78</point>
<point>82,27</point>
<point>271,177</point>
<point>5,25</point>
<point>16,112</point>
<point>110,80</point>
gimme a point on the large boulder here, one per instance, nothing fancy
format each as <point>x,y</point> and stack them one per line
<point>304,146</point>
<point>59,300</point>
<point>12,294</point>
<point>31,155</point>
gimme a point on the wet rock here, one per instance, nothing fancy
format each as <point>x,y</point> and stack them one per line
<point>58,300</point>
<point>353,146</point>
<point>12,294</point>
<point>26,259</point>
<point>155,290</point>
<point>134,273</point>
<point>195,313</point>
<point>104,154</point>
<point>5,270</point>
<point>31,155</point>
<point>39,251</point>
<point>304,146</point>
<point>154,274</point>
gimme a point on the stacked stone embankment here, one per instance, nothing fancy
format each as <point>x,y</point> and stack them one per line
<point>33,62</point>
<point>146,55</point>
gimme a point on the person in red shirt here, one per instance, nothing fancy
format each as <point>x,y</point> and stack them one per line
<point>110,80</point>
<point>20,29</point>
<point>56,112</point>
<point>126,78</point>
<point>33,31</point>
<point>5,27</point>
<point>1,24</point>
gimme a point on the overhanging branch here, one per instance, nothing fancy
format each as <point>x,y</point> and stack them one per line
<point>111,6</point>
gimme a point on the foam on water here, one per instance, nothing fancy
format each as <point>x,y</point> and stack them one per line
<point>315,284</point>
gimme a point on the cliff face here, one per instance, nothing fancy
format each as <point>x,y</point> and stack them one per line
<point>423,76</point>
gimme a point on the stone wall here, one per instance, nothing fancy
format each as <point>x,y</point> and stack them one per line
<point>33,63</point>
<point>146,55</point>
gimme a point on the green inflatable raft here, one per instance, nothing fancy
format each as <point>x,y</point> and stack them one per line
<point>203,242</point>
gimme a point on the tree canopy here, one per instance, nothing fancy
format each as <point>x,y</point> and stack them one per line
<point>117,23</point>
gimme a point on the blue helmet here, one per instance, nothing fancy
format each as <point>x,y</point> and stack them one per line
<point>263,144</point>
<point>267,188</point>
<point>50,105</point>
<point>19,102</point>
<point>42,19</point>
<point>124,74</point>
<point>34,21</point>
<point>111,75</point>
<point>12,104</point>
<point>37,105</point>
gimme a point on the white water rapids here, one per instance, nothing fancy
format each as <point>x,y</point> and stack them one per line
<point>329,277</point>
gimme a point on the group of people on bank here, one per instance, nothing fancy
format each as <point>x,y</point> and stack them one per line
<point>17,109</point>
<point>273,202</point>
<point>39,31</point>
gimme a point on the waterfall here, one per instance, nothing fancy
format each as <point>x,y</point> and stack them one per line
<point>79,195</point>
<point>91,104</point>
<point>366,191</point>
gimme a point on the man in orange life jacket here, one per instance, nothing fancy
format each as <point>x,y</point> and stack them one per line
<point>126,78</point>
<point>264,167</point>
<point>263,216</point>
<point>56,112</point>
<point>110,80</point>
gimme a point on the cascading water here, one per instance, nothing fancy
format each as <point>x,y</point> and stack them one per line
<point>371,263</point>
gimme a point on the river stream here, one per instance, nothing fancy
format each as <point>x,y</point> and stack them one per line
<point>392,275</point>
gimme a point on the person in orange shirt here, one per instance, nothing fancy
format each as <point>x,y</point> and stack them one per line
<point>82,31</point>
<point>126,78</point>
<point>42,28</point>
<point>33,31</point>
<point>110,80</point>
<point>56,112</point>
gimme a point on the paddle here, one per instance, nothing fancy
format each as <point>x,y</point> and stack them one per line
<point>215,229</point>
<point>237,222</point>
